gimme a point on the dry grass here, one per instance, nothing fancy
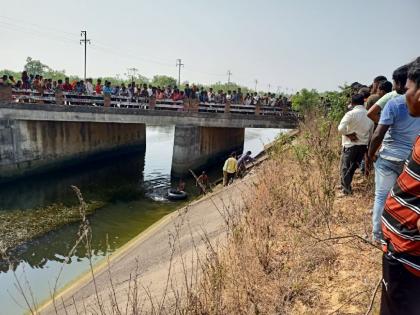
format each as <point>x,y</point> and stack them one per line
<point>295,248</point>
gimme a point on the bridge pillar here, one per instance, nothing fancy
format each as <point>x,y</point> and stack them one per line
<point>29,147</point>
<point>195,147</point>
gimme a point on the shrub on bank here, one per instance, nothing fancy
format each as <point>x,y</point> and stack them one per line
<point>292,248</point>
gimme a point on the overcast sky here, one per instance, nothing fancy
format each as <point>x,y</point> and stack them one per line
<point>285,43</point>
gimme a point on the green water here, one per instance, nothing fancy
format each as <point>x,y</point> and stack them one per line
<point>133,188</point>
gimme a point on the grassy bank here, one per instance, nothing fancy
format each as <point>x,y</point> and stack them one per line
<point>295,248</point>
<point>29,224</point>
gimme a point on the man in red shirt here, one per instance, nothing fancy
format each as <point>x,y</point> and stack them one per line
<point>98,87</point>
<point>67,87</point>
<point>401,225</point>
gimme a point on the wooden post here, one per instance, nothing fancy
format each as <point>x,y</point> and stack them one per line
<point>258,109</point>
<point>59,97</point>
<point>107,100</point>
<point>152,103</point>
<point>227,107</point>
<point>194,105</point>
<point>186,103</point>
<point>6,93</point>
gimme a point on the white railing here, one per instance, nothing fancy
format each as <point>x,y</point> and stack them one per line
<point>71,98</point>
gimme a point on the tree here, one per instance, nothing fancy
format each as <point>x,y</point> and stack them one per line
<point>305,100</point>
<point>163,81</point>
<point>229,87</point>
<point>35,67</point>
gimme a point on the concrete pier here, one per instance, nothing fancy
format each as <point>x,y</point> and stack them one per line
<point>198,146</point>
<point>29,147</point>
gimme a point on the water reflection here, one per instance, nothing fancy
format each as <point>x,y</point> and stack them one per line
<point>106,179</point>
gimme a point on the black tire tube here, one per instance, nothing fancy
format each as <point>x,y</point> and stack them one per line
<point>176,195</point>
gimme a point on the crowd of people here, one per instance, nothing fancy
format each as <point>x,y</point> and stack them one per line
<point>133,89</point>
<point>381,132</point>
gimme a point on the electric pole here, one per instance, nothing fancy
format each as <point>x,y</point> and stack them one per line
<point>229,73</point>
<point>269,86</point>
<point>256,82</point>
<point>179,65</point>
<point>133,72</point>
<point>85,41</point>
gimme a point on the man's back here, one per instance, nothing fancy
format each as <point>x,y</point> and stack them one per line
<point>231,165</point>
<point>356,121</point>
<point>399,138</point>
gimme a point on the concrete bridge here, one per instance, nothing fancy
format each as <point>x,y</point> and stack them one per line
<point>40,132</point>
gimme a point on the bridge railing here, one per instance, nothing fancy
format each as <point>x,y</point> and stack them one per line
<point>147,103</point>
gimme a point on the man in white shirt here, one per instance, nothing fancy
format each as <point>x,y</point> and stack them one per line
<point>356,129</point>
<point>89,87</point>
<point>150,90</point>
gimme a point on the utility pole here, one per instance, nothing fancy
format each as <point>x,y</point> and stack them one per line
<point>179,65</point>
<point>229,73</point>
<point>256,82</point>
<point>85,41</point>
<point>269,86</point>
<point>133,72</point>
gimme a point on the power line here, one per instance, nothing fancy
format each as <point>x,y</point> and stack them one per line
<point>51,33</point>
<point>179,65</point>
<point>229,73</point>
<point>85,41</point>
<point>17,28</point>
<point>48,32</point>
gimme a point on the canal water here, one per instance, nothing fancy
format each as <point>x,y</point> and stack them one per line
<point>132,188</point>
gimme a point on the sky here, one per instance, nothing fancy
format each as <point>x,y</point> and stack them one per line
<point>285,45</point>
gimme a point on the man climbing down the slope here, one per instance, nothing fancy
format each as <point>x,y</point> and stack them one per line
<point>242,162</point>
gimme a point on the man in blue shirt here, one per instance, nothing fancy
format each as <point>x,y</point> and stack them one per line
<point>396,131</point>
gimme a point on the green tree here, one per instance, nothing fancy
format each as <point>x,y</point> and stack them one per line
<point>336,102</point>
<point>229,87</point>
<point>15,74</point>
<point>163,81</point>
<point>33,66</point>
<point>306,100</point>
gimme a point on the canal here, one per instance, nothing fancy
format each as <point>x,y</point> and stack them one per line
<point>131,190</point>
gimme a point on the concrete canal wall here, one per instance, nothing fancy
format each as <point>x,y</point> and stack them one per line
<point>28,147</point>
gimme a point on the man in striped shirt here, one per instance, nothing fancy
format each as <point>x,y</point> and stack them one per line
<point>401,225</point>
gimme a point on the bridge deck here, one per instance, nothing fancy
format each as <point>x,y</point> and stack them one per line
<point>54,112</point>
<point>62,106</point>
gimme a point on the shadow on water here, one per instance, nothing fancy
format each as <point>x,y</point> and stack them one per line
<point>107,179</point>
